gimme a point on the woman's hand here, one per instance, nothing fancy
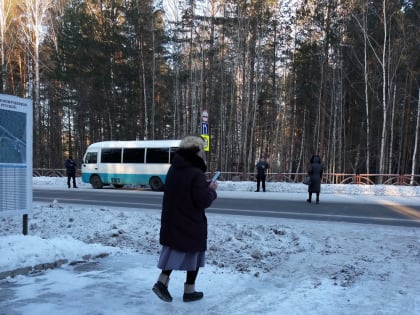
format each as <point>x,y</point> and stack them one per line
<point>214,185</point>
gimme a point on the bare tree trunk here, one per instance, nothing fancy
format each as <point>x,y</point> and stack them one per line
<point>153,109</point>
<point>176,118</point>
<point>365,64</point>
<point>341,119</point>
<point>317,128</point>
<point>255,97</point>
<point>5,16</point>
<point>416,141</point>
<point>293,128</point>
<point>384,99</point>
<point>391,137</point>
<point>34,14</point>
<point>246,106</point>
<point>143,80</point>
<point>366,43</point>
<point>302,146</point>
<point>335,100</point>
<point>293,122</point>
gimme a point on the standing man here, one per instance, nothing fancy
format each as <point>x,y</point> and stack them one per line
<point>262,167</point>
<point>70,165</point>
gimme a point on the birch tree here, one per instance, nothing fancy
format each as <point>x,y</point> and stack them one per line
<point>6,7</point>
<point>365,76</point>
<point>416,141</point>
<point>33,18</point>
<point>384,91</point>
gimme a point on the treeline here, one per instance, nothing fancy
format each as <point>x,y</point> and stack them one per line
<point>279,79</point>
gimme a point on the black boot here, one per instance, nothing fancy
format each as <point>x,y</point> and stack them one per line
<point>161,288</point>
<point>190,295</point>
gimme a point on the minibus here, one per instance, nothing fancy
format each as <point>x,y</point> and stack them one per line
<point>120,163</point>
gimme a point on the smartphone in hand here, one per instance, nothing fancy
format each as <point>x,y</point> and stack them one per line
<point>215,177</point>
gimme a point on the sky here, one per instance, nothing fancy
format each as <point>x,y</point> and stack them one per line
<point>253,265</point>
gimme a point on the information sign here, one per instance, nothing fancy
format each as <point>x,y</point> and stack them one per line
<point>15,155</point>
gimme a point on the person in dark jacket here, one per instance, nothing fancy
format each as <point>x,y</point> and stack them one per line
<point>183,231</point>
<point>70,165</point>
<point>315,170</point>
<point>262,167</point>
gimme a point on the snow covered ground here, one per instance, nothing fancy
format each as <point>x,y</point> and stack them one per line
<point>254,265</point>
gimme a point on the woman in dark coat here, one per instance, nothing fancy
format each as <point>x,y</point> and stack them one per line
<point>183,231</point>
<point>315,170</point>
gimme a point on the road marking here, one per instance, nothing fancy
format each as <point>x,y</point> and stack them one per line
<point>314,214</point>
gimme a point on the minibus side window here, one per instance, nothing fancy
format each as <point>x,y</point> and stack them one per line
<point>172,154</point>
<point>91,157</point>
<point>157,155</point>
<point>111,155</point>
<point>133,155</point>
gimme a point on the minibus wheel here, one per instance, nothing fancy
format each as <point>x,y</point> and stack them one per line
<point>155,183</point>
<point>96,182</point>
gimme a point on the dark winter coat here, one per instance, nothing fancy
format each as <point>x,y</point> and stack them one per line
<point>315,170</point>
<point>187,194</point>
<point>70,165</point>
<point>262,167</point>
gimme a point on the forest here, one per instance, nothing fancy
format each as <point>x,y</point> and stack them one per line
<point>280,79</point>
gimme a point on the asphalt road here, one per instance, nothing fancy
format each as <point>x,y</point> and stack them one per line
<point>367,213</point>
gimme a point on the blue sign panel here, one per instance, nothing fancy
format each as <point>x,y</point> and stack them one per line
<point>204,128</point>
<point>15,155</point>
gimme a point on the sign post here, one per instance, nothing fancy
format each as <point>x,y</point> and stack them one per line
<point>205,129</point>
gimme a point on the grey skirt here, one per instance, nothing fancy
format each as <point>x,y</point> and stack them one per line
<point>172,259</point>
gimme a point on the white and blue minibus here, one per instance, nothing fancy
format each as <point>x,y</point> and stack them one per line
<point>120,163</point>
